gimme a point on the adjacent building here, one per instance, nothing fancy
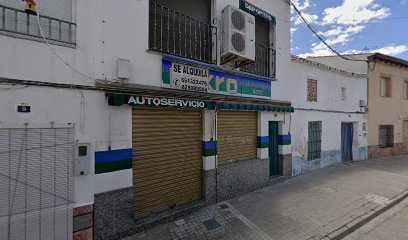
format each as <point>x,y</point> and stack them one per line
<point>329,124</point>
<point>138,110</point>
<point>387,122</point>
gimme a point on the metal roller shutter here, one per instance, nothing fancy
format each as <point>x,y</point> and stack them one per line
<point>167,159</point>
<point>237,133</point>
<point>36,183</point>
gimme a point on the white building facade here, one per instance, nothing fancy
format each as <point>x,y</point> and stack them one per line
<point>95,130</point>
<point>329,123</point>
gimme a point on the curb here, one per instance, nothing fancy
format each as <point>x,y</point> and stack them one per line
<point>349,228</point>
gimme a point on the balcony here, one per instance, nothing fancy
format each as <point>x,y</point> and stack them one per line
<point>18,23</point>
<point>264,64</point>
<point>174,33</point>
<point>177,34</point>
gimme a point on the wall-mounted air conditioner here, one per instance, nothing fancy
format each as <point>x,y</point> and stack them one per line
<point>237,36</point>
<point>363,106</point>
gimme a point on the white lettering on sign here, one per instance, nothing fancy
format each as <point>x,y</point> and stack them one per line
<point>164,102</point>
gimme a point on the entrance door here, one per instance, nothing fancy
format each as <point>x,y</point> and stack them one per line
<point>405,135</point>
<point>347,141</point>
<point>273,148</point>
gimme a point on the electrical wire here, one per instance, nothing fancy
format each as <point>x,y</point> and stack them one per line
<point>53,51</point>
<point>320,37</point>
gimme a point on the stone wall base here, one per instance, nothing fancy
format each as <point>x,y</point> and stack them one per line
<point>234,179</point>
<point>377,152</point>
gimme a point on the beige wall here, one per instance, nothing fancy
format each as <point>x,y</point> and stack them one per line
<point>386,111</point>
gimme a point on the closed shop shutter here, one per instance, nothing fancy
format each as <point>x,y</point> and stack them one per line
<point>36,183</point>
<point>237,133</point>
<point>167,159</point>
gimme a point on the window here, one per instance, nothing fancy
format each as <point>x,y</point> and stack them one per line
<point>386,136</point>
<point>263,61</point>
<point>343,93</point>
<point>311,90</point>
<point>182,28</point>
<point>55,19</point>
<point>405,89</point>
<point>385,87</point>
<point>315,140</point>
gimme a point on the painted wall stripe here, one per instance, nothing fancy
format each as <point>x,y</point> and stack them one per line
<point>262,142</point>
<point>285,139</point>
<point>105,167</point>
<point>210,148</point>
<point>112,156</point>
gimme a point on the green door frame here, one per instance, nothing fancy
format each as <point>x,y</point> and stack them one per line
<point>273,148</point>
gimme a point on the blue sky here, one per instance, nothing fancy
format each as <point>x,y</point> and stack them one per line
<point>352,26</point>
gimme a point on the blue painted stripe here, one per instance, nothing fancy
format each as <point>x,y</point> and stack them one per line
<point>210,144</point>
<point>263,139</point>
<point>113,156</point>
<point>285,137</point>
<point>166,66</point>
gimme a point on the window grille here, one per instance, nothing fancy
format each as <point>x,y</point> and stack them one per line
<point>386,136</point>
<point>315,140</point>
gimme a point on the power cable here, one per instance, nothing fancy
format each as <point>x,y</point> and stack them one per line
<point>320,37</point>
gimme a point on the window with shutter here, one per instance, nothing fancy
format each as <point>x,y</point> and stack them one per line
<point>386,136</point>
<point>55,19</point>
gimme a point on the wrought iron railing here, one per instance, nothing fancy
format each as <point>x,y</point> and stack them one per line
<point>264,64</point>
<point>16,21</point>
<point>178,34</point>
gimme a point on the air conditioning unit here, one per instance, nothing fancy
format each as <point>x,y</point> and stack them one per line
<point>237,36</point>
<point>363,103</point>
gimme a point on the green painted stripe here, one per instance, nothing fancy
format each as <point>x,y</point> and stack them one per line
<point>210,152</point>
<point>262,144</point>
<point>112,166</point>
<point>285,142</point>
<point>166,77</point>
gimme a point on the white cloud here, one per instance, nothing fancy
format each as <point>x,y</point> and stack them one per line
<point>392,50</point>
<point>303,6</point>
<point>353,12</point>
<point>343,22</point>
<point>310,18</point>
<point>322,50</point>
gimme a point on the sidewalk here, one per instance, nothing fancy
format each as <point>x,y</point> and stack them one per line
<point>317,205</point>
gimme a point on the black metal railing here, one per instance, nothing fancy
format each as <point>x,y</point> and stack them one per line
<point>19,22</point>
<point>264,64</point>
<point>178,34</point>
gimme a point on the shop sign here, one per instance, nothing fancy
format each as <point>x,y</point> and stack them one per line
<point>188,78</point>
<point>194,79</point>
<point>247,7</point>
<point>133,100</point>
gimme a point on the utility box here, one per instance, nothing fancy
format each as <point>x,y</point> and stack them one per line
<point>82,159</point>
<point>123,69</point>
